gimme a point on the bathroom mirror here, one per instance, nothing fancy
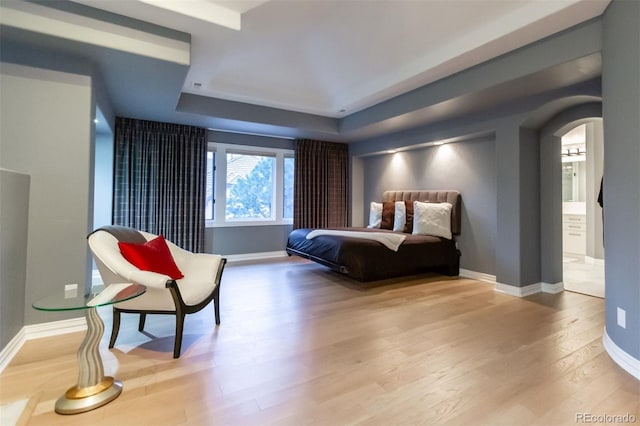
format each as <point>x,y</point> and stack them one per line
<point>574,181</point>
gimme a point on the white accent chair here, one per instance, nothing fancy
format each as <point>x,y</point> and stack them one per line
<point>200,285</point>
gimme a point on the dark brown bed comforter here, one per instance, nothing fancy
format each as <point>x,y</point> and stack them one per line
<point>366,260</point>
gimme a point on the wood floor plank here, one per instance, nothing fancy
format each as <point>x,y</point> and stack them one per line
<point>299,344</point>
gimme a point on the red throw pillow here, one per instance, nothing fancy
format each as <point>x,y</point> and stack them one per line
<point>154,256</point>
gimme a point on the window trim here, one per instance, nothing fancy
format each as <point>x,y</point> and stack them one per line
<point>213,189</point>
<point>220,185</point>
<point>285,157</point>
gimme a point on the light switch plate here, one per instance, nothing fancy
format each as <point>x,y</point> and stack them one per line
<point>622,318</point>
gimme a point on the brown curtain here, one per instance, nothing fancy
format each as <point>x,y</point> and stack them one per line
<point>159,180</point>
<point>321,184</point>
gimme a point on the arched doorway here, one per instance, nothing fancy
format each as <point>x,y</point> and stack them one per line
<point>551,198</point>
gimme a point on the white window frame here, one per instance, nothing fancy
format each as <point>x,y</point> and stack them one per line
<point>213,176</point>
<point>285,156</point>
<point>220,185</point>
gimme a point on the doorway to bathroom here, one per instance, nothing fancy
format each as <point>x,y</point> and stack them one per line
<point>582,220</point>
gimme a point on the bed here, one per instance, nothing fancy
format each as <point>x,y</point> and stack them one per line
<point>368,260</point>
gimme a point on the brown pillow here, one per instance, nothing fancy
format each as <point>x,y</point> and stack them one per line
<point>388,211</point>
<point>408,225</point>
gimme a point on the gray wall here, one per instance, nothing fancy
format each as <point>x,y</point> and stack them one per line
<point>103,180</point>
<point>14,212</point>
<point>518,189</point>
<point>469,167</point>
<point>250,140</point>
<point>246,239</point>
<point>621,111</point>
<point>529,206</point>
<point>47,132</point>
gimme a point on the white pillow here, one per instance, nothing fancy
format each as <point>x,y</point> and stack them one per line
<point>399,217</point>
<point>375,215</point>
<point>432,219</point>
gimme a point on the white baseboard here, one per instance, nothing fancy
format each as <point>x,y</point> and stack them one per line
<point>480,276</point>
<point>54,328</point>
<point>553,288</point>
<point>530,289</point>
<point>518,291</point>
<point>11,349</point>
<point>37,331</point>
<point>512,290</point>
<point>255,256</point>
<point>630,364</point>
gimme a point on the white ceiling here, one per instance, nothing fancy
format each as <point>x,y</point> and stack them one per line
<point>334,58</point>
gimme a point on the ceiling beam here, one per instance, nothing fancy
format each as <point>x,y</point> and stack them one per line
<point>203,10</point>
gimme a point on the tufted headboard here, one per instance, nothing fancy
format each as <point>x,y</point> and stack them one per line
<point>434,196</point>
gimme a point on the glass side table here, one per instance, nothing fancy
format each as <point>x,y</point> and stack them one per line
<point>93,389</point>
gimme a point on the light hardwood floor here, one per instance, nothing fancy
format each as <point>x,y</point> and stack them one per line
<point>301,345</point>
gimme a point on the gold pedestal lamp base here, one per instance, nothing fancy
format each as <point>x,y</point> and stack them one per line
<point>78,400</point>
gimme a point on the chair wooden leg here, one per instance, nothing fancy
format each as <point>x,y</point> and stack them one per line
<point>143,317</point>
<point>178,339</point>
<point>216,303</point>
<point>115,327</point>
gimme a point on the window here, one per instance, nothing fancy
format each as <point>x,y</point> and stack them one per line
<point>210,200</point>
<point>249,186</point>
